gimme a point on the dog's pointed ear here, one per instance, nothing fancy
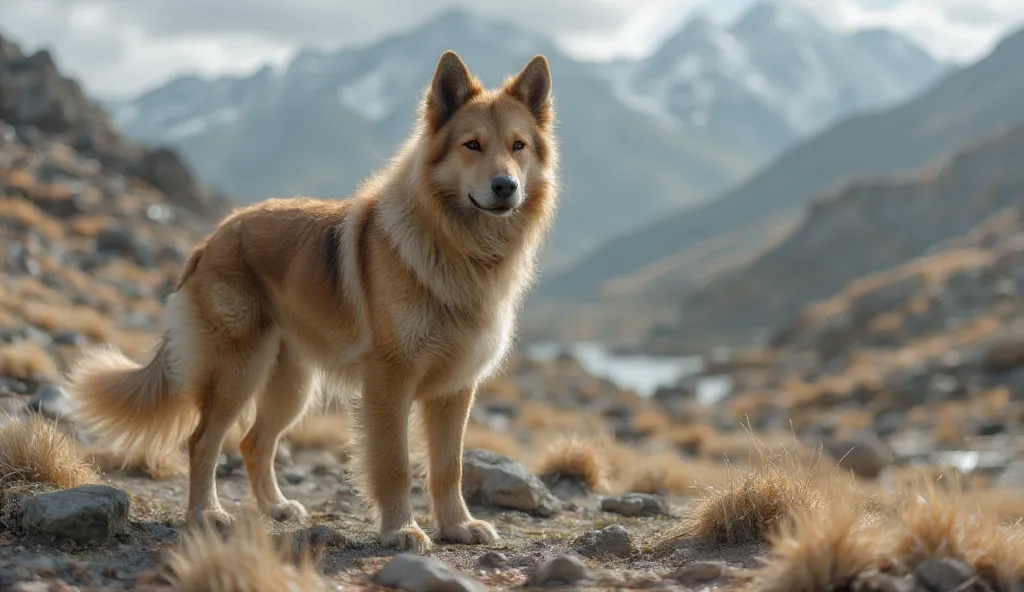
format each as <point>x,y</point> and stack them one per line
<point>532,86</point>
<point>451,87</point>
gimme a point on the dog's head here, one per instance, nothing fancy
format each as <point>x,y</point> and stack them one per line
<point>489,151</point>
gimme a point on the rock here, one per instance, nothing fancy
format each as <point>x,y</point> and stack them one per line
<point>232,462</point>
<point>163,168</point>
<point>635,504</point>
<point>864,455</point>
<point>563,569</point>
<point>490,479</point>
<point>123,242</point>
<point>493,559</point>
<point>566,488</point>
<point>889,423</point>
<point>1004,356</point>
<point>991,427</point>
<point>944,575</point>
<point>70,338</point>
<point>84,515</point>
<point>50,401</point>
<point>698,572</point>
<point>613,540</point>
<point>417,573</point>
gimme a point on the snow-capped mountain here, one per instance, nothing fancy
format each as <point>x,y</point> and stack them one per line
<point>774,75</point>
<point>638,138</point>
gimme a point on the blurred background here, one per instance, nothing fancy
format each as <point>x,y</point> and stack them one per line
<point>801,213</point>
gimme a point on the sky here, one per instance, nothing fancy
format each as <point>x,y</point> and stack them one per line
<point>122,47</point>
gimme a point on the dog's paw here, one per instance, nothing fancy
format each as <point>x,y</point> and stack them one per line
<point>288,511</point>
<point>471,532</point>
<point>217,519</point>
<point>408,538</point>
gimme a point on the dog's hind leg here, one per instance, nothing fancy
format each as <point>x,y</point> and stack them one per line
<point>280,404</point>
<point>444,420</point>
<point>224,390</point>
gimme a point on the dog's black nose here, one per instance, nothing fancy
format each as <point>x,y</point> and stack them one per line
<point>504,186</point>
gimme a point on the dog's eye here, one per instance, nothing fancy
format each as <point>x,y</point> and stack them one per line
<point>472,145</point>
<point>518,145</point>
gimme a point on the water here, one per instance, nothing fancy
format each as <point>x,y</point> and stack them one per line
<point>641,373</point>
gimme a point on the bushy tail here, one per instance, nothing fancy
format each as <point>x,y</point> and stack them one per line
<point>135,411</point>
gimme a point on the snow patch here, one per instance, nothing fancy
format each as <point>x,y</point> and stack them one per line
<point>193,126</point>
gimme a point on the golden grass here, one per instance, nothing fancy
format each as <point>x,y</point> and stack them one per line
<point>25,360</point>
<point>329,431</point>
<point>580,459</point>
<point>816,551</point>
<point>826,548</point>
<point>83,319</point>
<point>247,560</point>
<point>484,438</point>
<point>34,450</point>
<point>27,214</point>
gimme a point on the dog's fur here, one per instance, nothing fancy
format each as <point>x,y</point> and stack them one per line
<point>407,292</point>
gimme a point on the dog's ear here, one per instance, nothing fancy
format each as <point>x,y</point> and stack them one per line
<point>451,87</point>
<point>532,86</point>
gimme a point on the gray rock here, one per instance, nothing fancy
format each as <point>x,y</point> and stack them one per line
<point>635,504</point>
<point>493,559</point>
<point>85,515</point>
<point>123,242</point>
<point>865,455</point>
<point>613,540</point>
<point>944,575</point>
<point>563,569</point>
<point>698,572</point>
<point>50,401</point>
<point>417,573</point>
<point>490,479</point>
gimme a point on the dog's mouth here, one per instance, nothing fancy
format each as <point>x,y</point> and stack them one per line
<point>499,210</point>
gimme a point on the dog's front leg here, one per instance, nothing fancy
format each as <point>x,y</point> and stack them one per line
<point>387,397</point>
<point>445,422</point>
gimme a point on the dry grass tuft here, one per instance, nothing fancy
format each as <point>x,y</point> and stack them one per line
<point>575,458</point>
<point>170,465</point>
<point>822,550</point>
<point>34,450</point>
<point>25,360</point>
<point>247,560</point>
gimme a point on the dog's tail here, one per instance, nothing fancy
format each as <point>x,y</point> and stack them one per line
<point>136,412</point>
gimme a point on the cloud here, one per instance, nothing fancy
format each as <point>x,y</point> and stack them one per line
<point>123,46</point>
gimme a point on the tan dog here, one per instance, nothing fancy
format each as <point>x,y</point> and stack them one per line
<point>406,292</point>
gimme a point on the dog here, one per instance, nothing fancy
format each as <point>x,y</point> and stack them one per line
<point>405,292</point>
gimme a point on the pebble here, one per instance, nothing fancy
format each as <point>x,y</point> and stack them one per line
<point>635,504</point>
<point>613,540</point>
<point>698,572</point>
<point>50,401</point>
<point>417,573</point>
<point>944,575</point>
<point>562,569</point>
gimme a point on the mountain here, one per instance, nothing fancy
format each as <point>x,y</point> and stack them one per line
<point>773,76</point>
<point>870,226</point>
<point>965,107</point>
<point>329,119</point>
<point>322,123</point>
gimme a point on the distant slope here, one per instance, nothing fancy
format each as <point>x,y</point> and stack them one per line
<point>328,119</point>
<point>967,106</point>
<point>870,226</point>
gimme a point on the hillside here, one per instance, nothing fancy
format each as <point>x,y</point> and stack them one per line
<point>966,106</point>
<point>868,227</point>
<point>322,123</point>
